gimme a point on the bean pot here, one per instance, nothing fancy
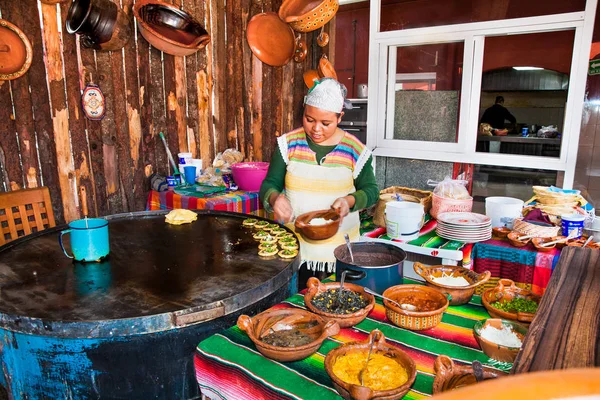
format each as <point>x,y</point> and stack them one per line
<point>376,266</point>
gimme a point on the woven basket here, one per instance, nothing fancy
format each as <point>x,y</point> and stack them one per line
<point>443,204</point>
<point>527,228</point>
<point>407,194</point>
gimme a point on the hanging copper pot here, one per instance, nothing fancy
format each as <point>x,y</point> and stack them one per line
<point>101,23</point>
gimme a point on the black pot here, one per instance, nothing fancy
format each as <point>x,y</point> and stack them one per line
<point>101,23</point>
<point>376,266</point>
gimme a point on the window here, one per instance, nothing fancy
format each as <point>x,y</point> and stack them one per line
<point>436,115</point>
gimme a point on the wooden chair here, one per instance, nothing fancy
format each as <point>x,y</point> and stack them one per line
<point>23,212</point>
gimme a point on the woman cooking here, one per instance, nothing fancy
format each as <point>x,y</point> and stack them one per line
<point>317,167</point>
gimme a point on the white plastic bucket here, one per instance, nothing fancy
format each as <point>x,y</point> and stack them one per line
<point>573,222</point>
<point>185,158</point>
<point>403,219</point>
<point>503,210</point>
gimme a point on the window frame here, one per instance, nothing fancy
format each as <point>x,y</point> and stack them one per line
<point>383,44</point>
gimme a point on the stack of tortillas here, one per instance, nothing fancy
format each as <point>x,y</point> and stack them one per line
<point>180,216</point>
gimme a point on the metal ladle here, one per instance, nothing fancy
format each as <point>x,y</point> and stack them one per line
<point>342,279</point>
<point>407,307</point>
<point>349,247</point>
<point>362,371</point>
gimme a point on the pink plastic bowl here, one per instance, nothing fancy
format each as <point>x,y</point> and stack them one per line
<point>249,175</point>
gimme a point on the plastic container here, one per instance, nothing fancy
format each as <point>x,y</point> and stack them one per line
<point>442,204</point>
<point>198,164</point>
<point>249,175</point>
<point>185,158</point>
<point>403,219</point>
<point>503,210</point>
<point>572,222</point>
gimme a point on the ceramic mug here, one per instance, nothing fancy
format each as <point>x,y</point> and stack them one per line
<point>89,239</point>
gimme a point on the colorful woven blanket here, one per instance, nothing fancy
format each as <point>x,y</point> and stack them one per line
<point>427,239</point>
<point>239,201</point>
<point>529,268</point>
<point>228,366</point>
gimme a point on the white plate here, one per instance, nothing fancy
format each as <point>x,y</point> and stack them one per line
<point>464,219</point>
<point>467,240</point>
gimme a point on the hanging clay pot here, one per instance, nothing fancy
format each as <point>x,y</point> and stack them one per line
<point>301,50</point>
<point>101,23</point>
<point>323,38</point>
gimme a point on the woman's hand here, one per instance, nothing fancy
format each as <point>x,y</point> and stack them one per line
<point>343,206</point>
<point>283,209</point>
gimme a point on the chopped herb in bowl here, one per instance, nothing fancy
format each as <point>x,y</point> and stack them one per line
<point>516,305</point>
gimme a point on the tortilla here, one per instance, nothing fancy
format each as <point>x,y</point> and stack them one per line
<point>260,234</point>
<point>249,222</point>
<point>267,246</point>
<point>278,232</point>
<point>267,253</point>
<point>268,239</point>
<point>290,246</point>
<point>288,253</point>
<point>261,224</point>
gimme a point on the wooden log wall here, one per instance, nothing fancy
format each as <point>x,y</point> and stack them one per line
<point>220,97</point>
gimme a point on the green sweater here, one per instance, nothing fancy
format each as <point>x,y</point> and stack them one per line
<point>367,192</point>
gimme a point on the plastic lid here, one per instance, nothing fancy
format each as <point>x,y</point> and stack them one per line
<point>573,217</point>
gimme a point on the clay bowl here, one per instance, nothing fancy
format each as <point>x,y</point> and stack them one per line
<point>561,244</point>
<point>271,321</point>
<point>16,52</point>
<point>169,29</point>
<point>318,232</point>
<point>352,391</point>
<point>494,350</point>
<point>326,69</point>
<point>344,320</point>
<point>271,39</point>
<point>457,295</point>
<point>501,232</point>
<point>450,376</point>
<point>537,243</point>
<point>308,15</point>
<point>507,290</point>
<point>311,77</point>
<point>545,385</point>
<point>415,295</point>
<point>513,239</point>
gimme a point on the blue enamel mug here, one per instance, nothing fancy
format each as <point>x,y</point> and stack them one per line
<point>89,239</point>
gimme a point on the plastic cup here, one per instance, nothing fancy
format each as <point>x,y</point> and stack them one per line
<point>189,172</point>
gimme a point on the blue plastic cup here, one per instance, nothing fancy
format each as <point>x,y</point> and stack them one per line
<point>189,172</point>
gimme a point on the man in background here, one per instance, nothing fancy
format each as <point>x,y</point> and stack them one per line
<point>497,114</point>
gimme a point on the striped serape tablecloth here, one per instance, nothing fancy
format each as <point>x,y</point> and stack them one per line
<point>428,243</point>
<point>228,366</point>
<point>238,201</point>
<point>529,268</point>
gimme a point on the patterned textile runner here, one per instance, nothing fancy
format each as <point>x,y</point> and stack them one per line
<point>228,366</point>
<point>427,240</point>
<point>529,268</point>
<point>239,201</point>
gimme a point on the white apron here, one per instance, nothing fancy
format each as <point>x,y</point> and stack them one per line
<point>315,187</point>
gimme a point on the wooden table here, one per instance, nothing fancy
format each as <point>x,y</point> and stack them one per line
<point>566,330</point>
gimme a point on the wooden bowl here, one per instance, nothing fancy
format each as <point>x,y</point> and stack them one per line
<point>311,77</point>
<point>344,320</point>
<point>318,232</point>
<point>501,232</point>
<point>537,243</point>
<point>169,29</point>
<point>450,376</point>
<point>495,350</point>
<point>545,385</point>
<point>457,295</point>
<point>308,15</point>
<point>271,39</point>
<point>284,319</point>
<point>507,290</point>
<point>16,53</point>
<point>414,320</point>
<point>513,239</point>
<point>351,391</point>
